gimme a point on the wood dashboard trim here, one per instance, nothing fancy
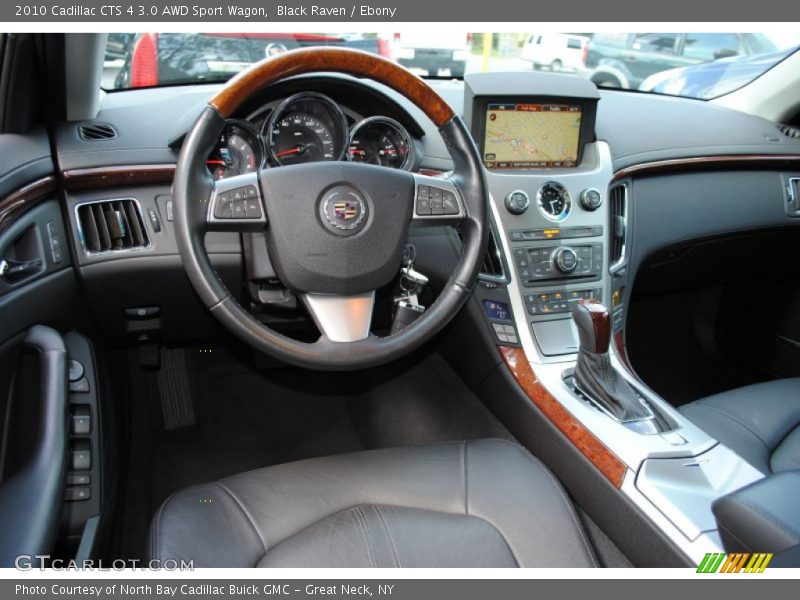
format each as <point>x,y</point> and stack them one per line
<point>725,161</point>
<point>24,199</point>
<point>584,440</point>
<point>115,176</point>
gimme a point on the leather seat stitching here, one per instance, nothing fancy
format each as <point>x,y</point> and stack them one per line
<point>245,513</point>
<point>385,523</point>
<point>362,521</point>
<point>466,476</point>
<point>154,543</point>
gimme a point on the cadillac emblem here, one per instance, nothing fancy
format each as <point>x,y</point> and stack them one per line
<point>343,210</point>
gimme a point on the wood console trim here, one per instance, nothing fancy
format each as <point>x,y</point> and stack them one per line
<point>340,60</point>
<point>18,202</point>
<point>117,176</point>
<point>587,443</point>
<point>724,161</point>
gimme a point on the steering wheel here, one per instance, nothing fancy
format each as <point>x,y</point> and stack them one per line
<point>335,230</point>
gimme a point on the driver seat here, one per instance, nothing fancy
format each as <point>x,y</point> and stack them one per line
<point>484,503</point>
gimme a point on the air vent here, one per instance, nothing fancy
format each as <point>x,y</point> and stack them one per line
<point>112,226</point>
<point>94,132</point>
<point>789,131</point>
<point>492,261</point>
<point>618,200</point>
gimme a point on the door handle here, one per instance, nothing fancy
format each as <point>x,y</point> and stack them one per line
<point>17,270</point>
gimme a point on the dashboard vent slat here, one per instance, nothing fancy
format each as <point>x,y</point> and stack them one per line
<point>111,225</point>
<point>492,261</point>
<point>93,132</point>
<point>789,131</point>
<point>618,196</point>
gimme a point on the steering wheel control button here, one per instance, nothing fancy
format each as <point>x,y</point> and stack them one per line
<point>591,199</point>
<point>343,210</point>
<point>239,203</point>
<point>223,208</point>
<point>76,370</point>
<point>566,260</point>
<point>517,202</point>
<point>436,201</point>
<point>449,203</point>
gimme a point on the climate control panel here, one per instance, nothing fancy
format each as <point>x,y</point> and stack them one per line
<point>536,265</point>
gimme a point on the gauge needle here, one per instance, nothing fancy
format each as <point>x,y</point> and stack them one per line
<point>215,162</point>
<point>299,149</point>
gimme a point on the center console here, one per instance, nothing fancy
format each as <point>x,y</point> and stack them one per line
<point>560,232</point>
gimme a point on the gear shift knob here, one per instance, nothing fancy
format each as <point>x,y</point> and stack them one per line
<point>594,326</point>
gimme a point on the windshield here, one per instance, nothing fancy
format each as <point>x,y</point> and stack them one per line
<point>696,65</point>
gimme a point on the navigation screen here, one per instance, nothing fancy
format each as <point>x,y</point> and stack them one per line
<point>531,136</point>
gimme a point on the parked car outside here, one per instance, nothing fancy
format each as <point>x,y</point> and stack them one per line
<point>442,55</point>
<point>556,51</point>
<point>712,79</point>
<point>625,60</point>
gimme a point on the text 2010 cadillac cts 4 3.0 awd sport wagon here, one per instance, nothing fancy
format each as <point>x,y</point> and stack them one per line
<point>309,309</point>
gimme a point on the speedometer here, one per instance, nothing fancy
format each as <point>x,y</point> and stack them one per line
<point>306,127</point>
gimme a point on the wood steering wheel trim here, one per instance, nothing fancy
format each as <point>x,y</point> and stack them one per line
<point>340,60</point>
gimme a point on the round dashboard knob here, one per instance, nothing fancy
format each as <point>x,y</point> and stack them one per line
<point>517,202</point>
<point>591,199</point>
<point>565,259</point>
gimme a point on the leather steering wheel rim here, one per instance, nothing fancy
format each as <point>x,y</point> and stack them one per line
<point>193,188</point>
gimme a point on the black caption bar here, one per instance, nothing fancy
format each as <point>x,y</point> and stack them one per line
<point>463,11</point>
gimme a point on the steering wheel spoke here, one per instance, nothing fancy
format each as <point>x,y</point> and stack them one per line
<point>236,204</point>
<point>341,318</point>
<point>437,201</point>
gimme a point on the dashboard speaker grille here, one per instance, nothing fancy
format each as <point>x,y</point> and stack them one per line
<point>618,196</point>
<point>112,225</point>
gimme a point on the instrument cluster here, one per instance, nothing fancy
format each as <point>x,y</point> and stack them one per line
<point>309,127</point>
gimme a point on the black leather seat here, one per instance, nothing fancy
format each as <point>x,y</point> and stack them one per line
<point>485,503</point>
<point>759,422</point>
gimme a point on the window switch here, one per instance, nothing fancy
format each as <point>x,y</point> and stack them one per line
<point>80,456</point>
<point>79,479</point>
<point>75,494</point>
<point>81,420</point>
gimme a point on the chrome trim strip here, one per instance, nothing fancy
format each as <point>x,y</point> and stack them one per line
<point>341,318</point>
<point>620,262</point>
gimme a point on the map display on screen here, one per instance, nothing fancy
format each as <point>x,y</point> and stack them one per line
<point>531,136</point>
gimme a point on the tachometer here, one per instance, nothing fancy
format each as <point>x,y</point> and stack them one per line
<point>381,141</point>
<point>238,151</point>
<point>306,127</point>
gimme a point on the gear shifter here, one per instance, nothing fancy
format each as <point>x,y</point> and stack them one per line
<point>594,374</point>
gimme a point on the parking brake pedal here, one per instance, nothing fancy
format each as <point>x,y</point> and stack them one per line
<point>173,387</point>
